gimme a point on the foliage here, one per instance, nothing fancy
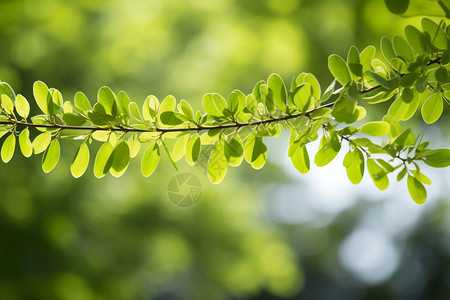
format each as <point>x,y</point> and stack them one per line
<point>413,76</point>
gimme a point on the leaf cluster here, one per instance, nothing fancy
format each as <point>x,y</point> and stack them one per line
<point>412,75</point>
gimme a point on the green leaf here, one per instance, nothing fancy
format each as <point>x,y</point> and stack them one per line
<point>402,49</point>
<point>108,100</point>
<point>378,174</point>
<point>255,152</point>
<point>416,190</point>
<point>179,149</point>
<point>98,118</point>
<point>80,161</point>
<point>171,118</point>
<point>5,89</point>
<point>217,163</point>
<point>377,128</point>
<point>103,162</point>
<point>401,174</point>
<point>441,75</point>
<point>123,103</point>
<point>339,69</point>
<point>436,34</point>
<point>328,149</point>
<point>24,142</point>
<point>367,56</point>
<point>22,106</point>
<point>9,145</point>
<point>345,111</point>
<point>134,111</point>
<point>437,158</point>
<point>73,119</point>
<point>57,99</point>
<point>415,38</point>
<point>193,148</point>
<point>387,49</point>
<point>236,101</point>
<point>169,155</point>
<point>82,102</point>
<point>150,159</point>
<point>354,164</point>
<point>381,80</point>
<point>403,110</point>
<point>278,88</point>
<point>186,109</point>
<point>7,104</point>
<point>43,97</point>
<point>51,156</point>
<point>41,142</point>
<point>214,104</point>
<point>353,62</point>
<point>121,159</point>
<point>257,92</point>
<point>432,108</point>
<point>134,145</point>
<point>234,151</point>
<point>397,6</point>
<point>299,155</point>
<point>267,97</point>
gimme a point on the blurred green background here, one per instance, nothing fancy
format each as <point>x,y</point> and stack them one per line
<point>268,234</point>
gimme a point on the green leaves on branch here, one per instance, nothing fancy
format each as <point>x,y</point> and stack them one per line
<point>411,74</point>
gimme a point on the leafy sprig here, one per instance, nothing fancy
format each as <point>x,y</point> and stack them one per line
<point>410,70</point>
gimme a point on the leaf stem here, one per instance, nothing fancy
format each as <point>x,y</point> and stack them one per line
<point>165,130</point>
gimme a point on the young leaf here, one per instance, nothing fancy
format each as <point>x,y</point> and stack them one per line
<point>22,106</point>
<point>51,156</point>
<point>123,102</point>
<point>255,152</point>
<point>278,88</point>
<point>415,38</point>
<point>179,149</point>
<point>134,145</point>
<point>103,162</point>
<point>403,110</point>
<point>134,111</point>
<point>73,119</point>
<point>82,102</point>
<point>80,161</point>
<point>387,49</point>
<point>193,148</point>
<point>43,97</point>
<point>378,174</point>
<point>402,49</point>
<point>354,163</point>
<point>328,149</point>
<point>432,108</point>
<point>121,159</point>
<point>150,159</point>
<point>7,104</point>
<point>339,69</point>
<point>377,128</point>
<point>299,157</point>
<point>8,148</point>
<point>353,62</point>
<point>441,75</point>
<point>217,164</point>
<point>234,152</point>
<point>41,142</point>
<point>437,158</point>
<point>436,33</point>
<point>108,100</point>
<point>416,190</point>
<point>5,89</point>
<point>236,101</point>
<point>25,144</point>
